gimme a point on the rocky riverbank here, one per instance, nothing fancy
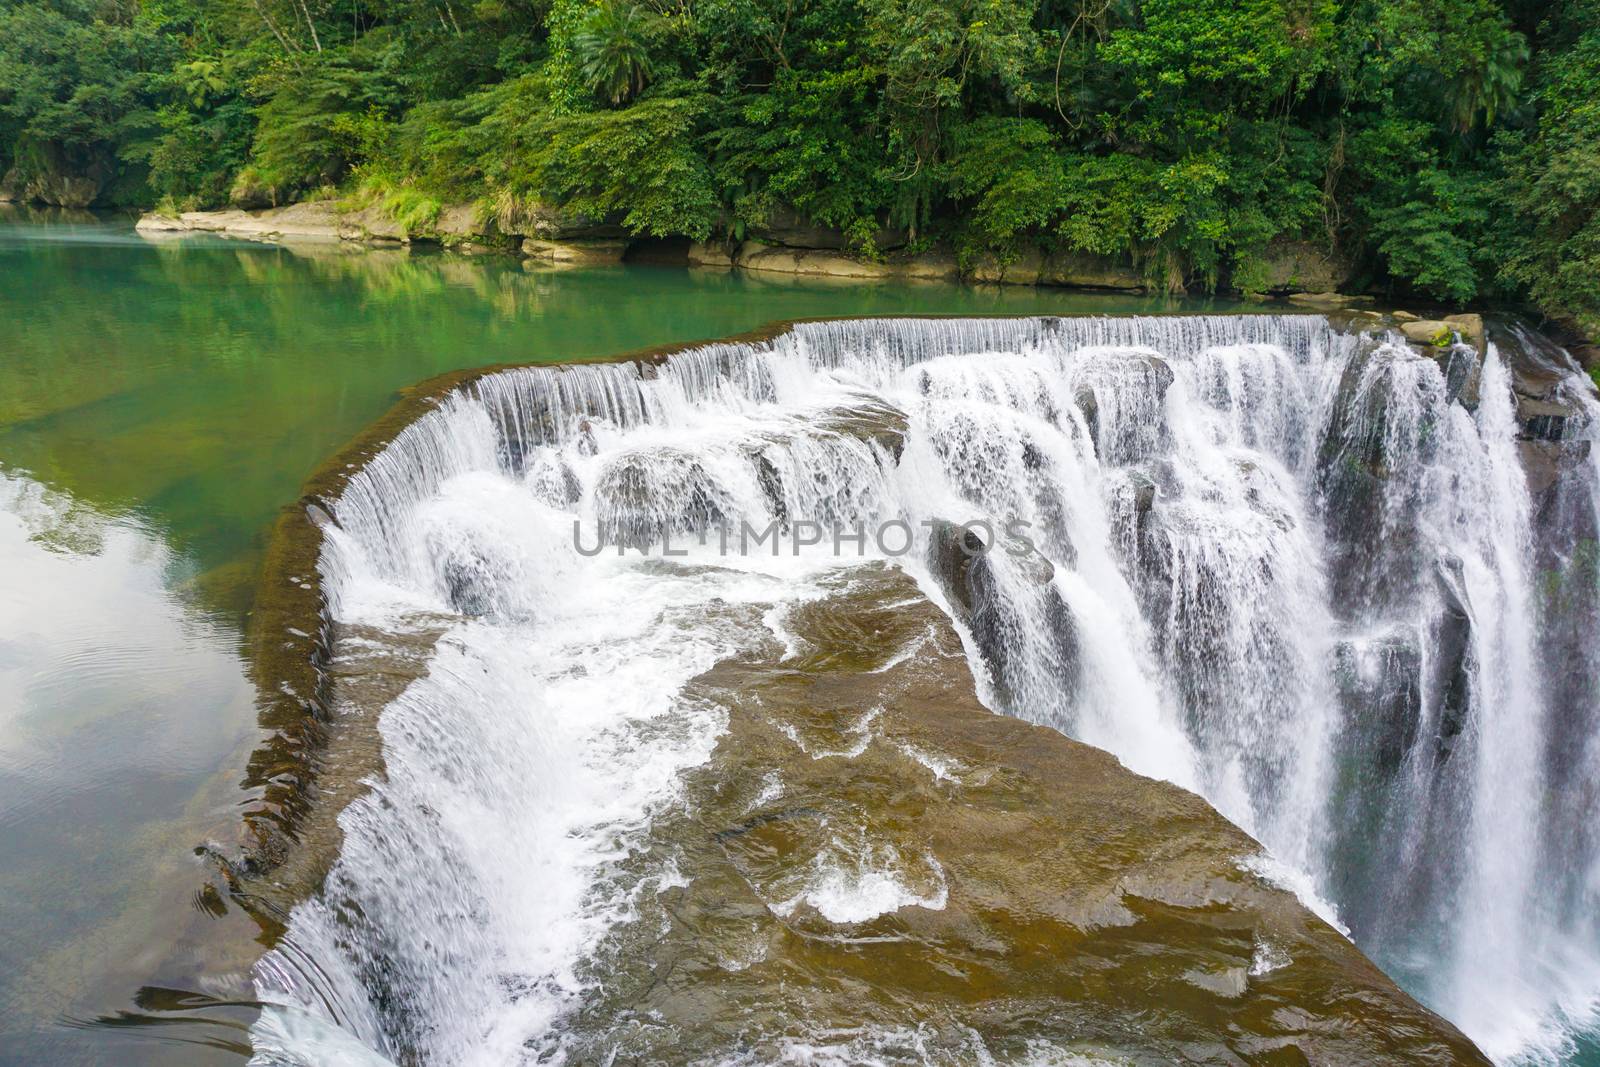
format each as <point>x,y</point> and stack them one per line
<point>787,246</point>
<point>1299,272</point>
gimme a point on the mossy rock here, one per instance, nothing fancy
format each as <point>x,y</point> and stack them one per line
<point>1429,332</point>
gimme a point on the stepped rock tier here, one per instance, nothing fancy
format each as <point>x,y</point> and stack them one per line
<point>1089,685</point>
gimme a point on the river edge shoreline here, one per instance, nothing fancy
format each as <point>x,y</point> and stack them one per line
<point>1299,272</point>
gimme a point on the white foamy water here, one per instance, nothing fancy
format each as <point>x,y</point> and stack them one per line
<point>1275,564</point>
<point>853,881</point>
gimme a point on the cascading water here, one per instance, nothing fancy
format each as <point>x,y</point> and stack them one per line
<point>1310,574</point>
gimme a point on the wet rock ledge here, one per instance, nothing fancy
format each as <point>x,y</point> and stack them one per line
<point>1052,903</point>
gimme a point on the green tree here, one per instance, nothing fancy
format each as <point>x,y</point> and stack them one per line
<point>613,50</point>
<point>76,81</point>
<point>315,124</point>
<point>1551,182</point>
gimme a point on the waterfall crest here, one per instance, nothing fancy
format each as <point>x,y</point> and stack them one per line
<point>1343,588</point>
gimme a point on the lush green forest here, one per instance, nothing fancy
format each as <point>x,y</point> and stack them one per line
<point>1449,148</point>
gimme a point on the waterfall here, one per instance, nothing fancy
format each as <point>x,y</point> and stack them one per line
<point>1343,589</point>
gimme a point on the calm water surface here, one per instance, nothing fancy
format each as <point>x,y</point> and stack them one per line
<point>159,402</point>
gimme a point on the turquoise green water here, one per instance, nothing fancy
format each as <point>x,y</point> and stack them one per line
<point>159,402</point>
<point>198,381</point>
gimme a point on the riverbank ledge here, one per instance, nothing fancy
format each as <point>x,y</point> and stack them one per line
<point>313,221</point>
<point>548,236</point>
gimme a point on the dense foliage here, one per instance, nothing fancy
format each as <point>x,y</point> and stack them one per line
<point>1445,147</point>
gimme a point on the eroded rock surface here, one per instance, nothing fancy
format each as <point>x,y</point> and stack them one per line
<point>872,865</point>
